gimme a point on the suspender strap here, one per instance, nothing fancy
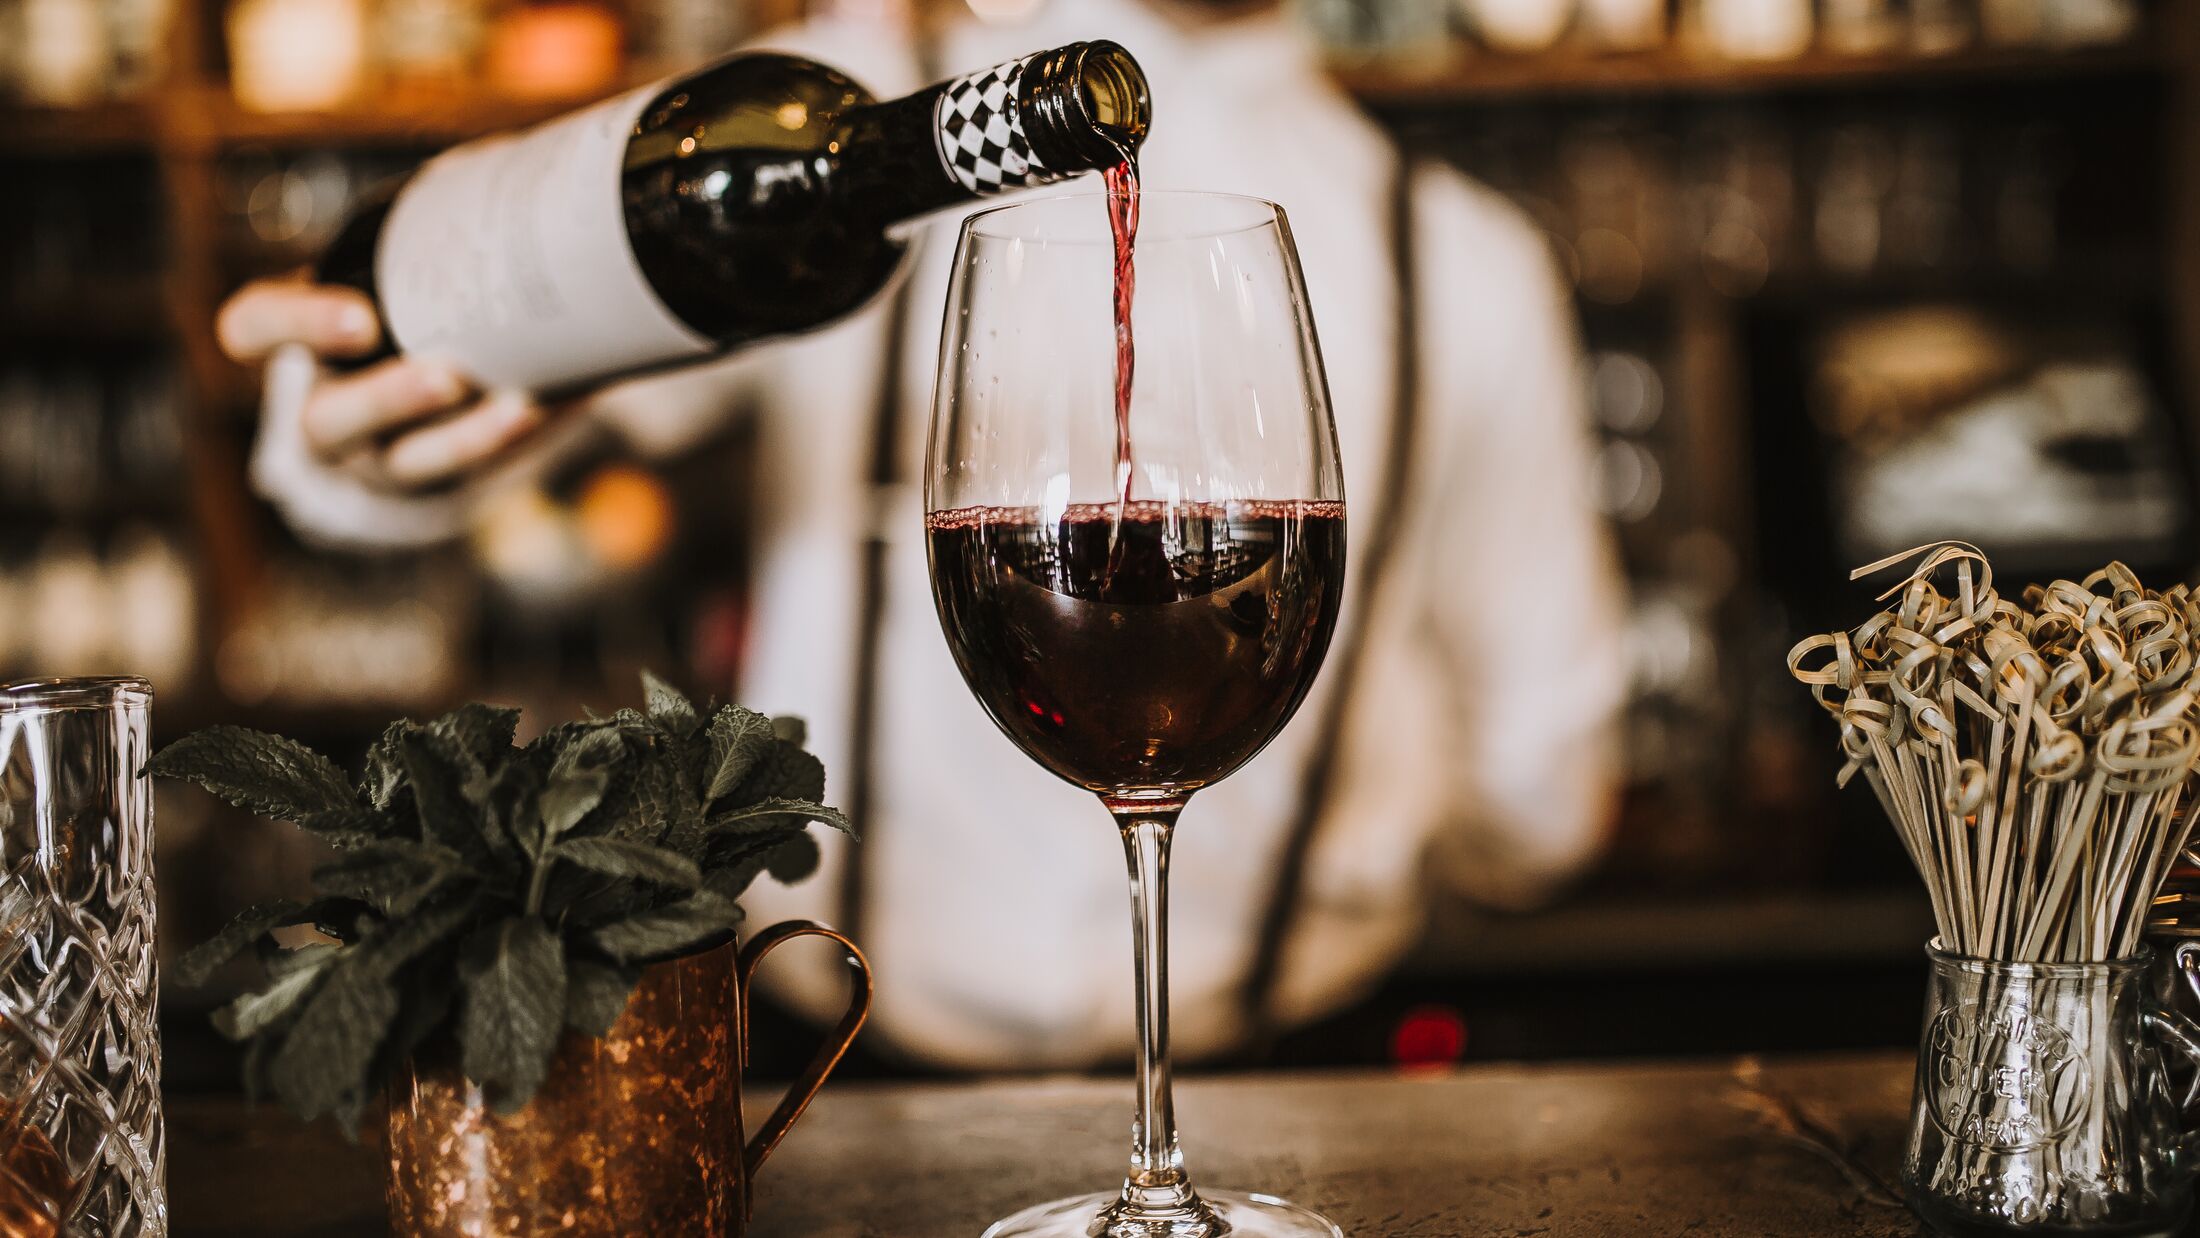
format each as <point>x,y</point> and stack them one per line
<point>885,471</point>
<point>1373,548</point>
<point>861,776</point>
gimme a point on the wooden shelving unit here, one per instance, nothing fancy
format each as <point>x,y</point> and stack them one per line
<point>191,123</point>
<point>1483,77</point>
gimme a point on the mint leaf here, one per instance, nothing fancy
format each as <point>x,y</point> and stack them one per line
<point>618,857</point>
<point>578,781</point>
<point>596,994</point>
<point>650,800</point>
<point>739,738</point>
<point>445,812</point>
<point>793,859</point>
<point>199,964</point>
<point>350,826</point>
<point>385,764</point>
<point>736,873</point>
<point>322,1065</point>
<point>513,1010</point>
<point>787,773</point>
<point>390,875</point>
<point>779,814</point>
<point>249,1014</point>
<point>262,773</point>
<point>511,809</point>
<point>669,930</point>
<point>404,940</point>
<point>791,730</point>
<point>668,706</point>
<point>482,732</point>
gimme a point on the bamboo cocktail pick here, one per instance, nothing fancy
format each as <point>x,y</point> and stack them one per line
<point>2034,758</point>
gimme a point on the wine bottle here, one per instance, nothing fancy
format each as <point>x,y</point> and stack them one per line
<point>753,198</point>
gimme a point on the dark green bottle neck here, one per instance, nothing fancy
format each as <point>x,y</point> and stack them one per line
<point>885,162</point>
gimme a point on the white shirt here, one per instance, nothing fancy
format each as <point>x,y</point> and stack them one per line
<point>997,906</point>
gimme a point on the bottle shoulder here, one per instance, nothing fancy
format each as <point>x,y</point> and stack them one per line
<point>748,105</point>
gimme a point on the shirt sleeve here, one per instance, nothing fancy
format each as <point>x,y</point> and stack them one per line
<point>657,417</point>
<point>1522,592</point>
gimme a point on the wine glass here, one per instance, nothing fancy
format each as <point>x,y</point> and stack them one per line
<point>1140,613</point>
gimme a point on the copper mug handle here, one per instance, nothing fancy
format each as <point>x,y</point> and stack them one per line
<point>835,1046</point>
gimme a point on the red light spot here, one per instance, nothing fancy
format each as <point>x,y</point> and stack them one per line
<point>1037,710</point>
<point>1057,716</point>
<point>1429,1036</point>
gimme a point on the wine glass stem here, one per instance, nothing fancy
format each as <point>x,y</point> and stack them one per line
<point>1157,1187</point>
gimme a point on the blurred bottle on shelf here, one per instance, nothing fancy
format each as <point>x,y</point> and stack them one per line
<point>1755,29</point>
<point>1850,199</point>
<point>138,35</point>
<point>1924,226</point>
<point>673,33</point>
<point>66,599</point>
<point>1614,191</point>
<point>343,634</point>
<point>150,588</point>
<point>2013,23</point>
<point>1623,25</point>
<point>2061,24</point>
<point>1859,27</point>
<point>554,49</point>
<point>427,42</point>
<point>65,60</point>
<point>1407,34</point>
<point>1518,27</point>
<point>1742,203</point>
<point>1938,27</point>
<point>297,55</point>
<point>76,605</point>
<point>73,53</point>
<point>1626,392</point>
<point>2092,23</point>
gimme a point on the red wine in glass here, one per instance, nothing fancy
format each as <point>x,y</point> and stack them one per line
<point>1163,662</point>
<point>1139,633</point>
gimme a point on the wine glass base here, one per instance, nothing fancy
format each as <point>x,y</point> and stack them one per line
<point>1247,1216</point>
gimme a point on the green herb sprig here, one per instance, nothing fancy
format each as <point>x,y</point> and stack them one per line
<point>502,894</point>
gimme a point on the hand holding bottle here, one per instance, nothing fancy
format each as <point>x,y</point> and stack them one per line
<point>402,424</point>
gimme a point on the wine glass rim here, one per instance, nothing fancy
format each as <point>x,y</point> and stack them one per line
<point>27,695</point>
<point>1270,214</point>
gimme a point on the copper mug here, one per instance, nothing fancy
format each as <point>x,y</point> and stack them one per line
<point>637,1133</point>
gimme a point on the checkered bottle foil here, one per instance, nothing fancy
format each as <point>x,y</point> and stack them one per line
<point>1042,117</point>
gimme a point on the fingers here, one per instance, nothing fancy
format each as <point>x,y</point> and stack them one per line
<point>263,316</point>
<point>346,413</point>
<point>465,443</point>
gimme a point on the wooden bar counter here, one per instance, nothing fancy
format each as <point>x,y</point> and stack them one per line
<point>1788,1147</point>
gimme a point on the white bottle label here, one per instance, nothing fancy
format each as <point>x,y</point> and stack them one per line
<point>509,258</point>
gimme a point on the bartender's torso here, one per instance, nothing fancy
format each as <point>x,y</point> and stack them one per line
<point>993,900</point>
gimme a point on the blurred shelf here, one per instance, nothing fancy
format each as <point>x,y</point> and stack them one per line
<point>95,129</point>
<point>1480,78</point>
<point>92,312</point>
<point>206,119</point>
<point>157,504</point>
<point>1683,932</point>
<point>426,118</point>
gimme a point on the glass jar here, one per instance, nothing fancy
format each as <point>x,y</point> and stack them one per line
<point>2042,1103</point>
<point>81,1141</point>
